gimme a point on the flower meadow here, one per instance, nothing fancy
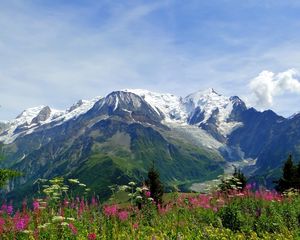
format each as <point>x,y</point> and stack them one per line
<point>234,214</point>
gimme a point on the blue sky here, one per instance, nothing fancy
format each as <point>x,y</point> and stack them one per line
<point>56,52</point>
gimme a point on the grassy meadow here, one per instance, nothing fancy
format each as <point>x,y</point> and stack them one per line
<point>62,214</point>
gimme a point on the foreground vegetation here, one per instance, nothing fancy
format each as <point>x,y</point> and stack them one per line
<point>232,214</point>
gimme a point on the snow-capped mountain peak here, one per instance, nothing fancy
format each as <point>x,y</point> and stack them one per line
<point>32,118</point>
<point>200,108</point>
<point>170,105</point>
<point>208,105</point>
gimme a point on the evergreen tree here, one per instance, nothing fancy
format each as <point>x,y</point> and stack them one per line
<point>297,176</point>
<point>289,176</point>
<point>242,180</point>
<point>237,181</point>
<point>6,174</point>
<point>155,186</point>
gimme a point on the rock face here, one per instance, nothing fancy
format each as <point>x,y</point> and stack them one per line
<point>42,116</point>
<point>114,139</point>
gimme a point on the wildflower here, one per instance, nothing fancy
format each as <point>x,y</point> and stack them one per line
<point>94,201</point>
<point>73,228</point>
<point>72,180</point>
<point>110,210</point>
<point>131,183</point>
<point>135,226</point>
<point>66,203</point>
<point>123,215</point>
<point>9,209</point>
<point>3,207</point>
<point>21,222</point>
<point>57,218</point>
<point>92,236</point>
<point>70,219</point>
<point>36,205</point>
<point>43,226</point>
<point>82,185</point>
<point>64,224</point>
<point>24,205</point>
<point>123,188</point>
<point>148,194</point>
<point>139,197</point>
<point>65,188</point>
<point>2,222</point>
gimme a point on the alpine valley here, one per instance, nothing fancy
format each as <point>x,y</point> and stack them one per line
<point>115,139</point>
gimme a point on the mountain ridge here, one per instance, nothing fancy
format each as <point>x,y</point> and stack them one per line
<point>193,139</point>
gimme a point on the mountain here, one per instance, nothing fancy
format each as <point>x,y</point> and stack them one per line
<point>114,139</point>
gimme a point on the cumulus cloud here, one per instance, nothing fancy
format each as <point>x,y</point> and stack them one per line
<point>268,85</point>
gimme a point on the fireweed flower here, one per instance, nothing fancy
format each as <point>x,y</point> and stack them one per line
<point>110,210</point>
<point>2,222</point>
<point>94,201</point>
<point>123,215</point>
<point>9,209</point>
<point>36,205</point>
<point>21,222</point>
<point>148,194</point>
<point>3,208</point>
<point>73,228</point>
<point>92,236</point>
<point>135,226</point>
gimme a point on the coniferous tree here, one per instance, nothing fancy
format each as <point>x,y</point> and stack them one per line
<point>6,174</point>
<point>241,178</point>
<point>297,176</point>
<point>155,186</point>
<point>288,179</point>
<point>237,181</point>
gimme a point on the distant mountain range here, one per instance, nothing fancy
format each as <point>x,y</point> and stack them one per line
<point>114,139</point>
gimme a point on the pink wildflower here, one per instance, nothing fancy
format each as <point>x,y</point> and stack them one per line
<point>36,205</point>
<point>81,207</point>
<point>3,208</point>
<point>9,209</point>
<point>73,228</point>
<point>148,194</point>
<point>94,201</point>
<point>24,205</point>
<point>123,215</point>
<point>110,210</point>
<point>135,226</point>
<point>66,203</point>
<point>92,236</point>
<point>21,222</point>
<point>163,210</point>
<point>2,222</point>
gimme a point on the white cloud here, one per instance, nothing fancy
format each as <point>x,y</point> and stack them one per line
<point>267,85</point>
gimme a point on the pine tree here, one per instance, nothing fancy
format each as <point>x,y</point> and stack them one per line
<point>155,186</point>
<point>237,181</point>
<point>242,180</point>
<point>6,174</point>
<point>288,179</point>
